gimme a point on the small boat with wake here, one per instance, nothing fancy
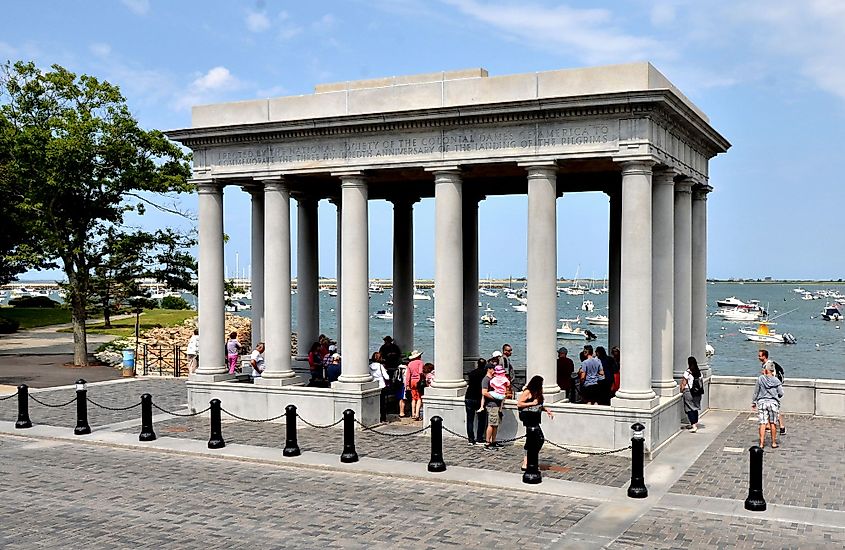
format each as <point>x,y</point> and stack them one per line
<point>765,334</point>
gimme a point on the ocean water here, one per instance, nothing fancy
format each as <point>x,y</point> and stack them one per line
<point>818,353</point>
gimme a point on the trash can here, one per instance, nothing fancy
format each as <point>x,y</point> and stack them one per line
<point>129,362</point>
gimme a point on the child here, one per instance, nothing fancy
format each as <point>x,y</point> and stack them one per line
<point>499,386</point>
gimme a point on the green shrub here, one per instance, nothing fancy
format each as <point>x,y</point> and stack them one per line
<point>174,302</point>
<point>8,326</point>
<point>34,301</point>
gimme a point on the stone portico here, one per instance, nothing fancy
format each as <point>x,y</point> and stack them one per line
<point>459,137</point>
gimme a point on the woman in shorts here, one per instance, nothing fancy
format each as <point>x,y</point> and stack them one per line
<point>766,402</point>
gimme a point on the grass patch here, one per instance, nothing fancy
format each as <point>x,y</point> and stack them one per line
<point>151,318</point>
<point>36,317</point>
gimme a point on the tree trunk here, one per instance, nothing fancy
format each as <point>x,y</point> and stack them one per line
<point>106,311</point>
<point>80,338</point>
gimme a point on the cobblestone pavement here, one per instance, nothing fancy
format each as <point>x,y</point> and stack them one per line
<point>805,470</point>
<point>97,497</point>
<point>610,470</point>
<point>661,528</point>
<point>169,394</point>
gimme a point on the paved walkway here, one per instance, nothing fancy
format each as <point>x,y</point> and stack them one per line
<point>248,494</point>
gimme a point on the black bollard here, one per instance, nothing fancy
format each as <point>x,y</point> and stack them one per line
<point>755,501</point>
<point>637,488</point>
<point>436,463</point>
<point>82,427</point>
<point>349,454</point>
<point>532,473</point>
<point>215,441</point>
<point>291,445</point>
<point>23,408</point>
<point>147,433</point>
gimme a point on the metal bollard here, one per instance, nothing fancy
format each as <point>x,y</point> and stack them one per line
<point>291,445</point>
<point>436,464</point>
<point>82,427</point>
<point>755,501</point>
<point>532,473</point>
<point>215,441</point>
<point>147,433</point>
<point>23,408</point>
<point>637,488</point>
<point>349,454</point>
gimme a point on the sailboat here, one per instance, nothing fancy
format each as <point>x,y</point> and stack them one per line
<point>488,318</point>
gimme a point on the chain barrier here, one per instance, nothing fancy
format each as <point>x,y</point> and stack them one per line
<point>183,415</point>
<point>464,437</point>
<point>11,395</point>
<point>589,453</point>
<point>138,404</point>
<point>397,434</point>
<point>233,415</point>
<point>49,405</point>
<point>317,425</point>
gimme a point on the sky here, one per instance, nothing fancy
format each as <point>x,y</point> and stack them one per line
<point>768,74</point>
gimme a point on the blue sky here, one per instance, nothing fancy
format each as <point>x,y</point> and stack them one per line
<point>769,75</point>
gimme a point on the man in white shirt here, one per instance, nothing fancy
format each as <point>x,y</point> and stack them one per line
<point>257,360</point>
<point>193,351</point>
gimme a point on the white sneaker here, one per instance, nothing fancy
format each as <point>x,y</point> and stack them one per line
<point>693,429</point>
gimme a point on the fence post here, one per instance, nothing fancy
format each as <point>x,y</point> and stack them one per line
<point>755,501</point>
<point>349,454</point>
<point>637,488</point>
<point>436,463</point>
<point>177,365</point>
<point>146,361</point>
<point>291,445</point>
<point>23,408</point>
<point>532,473</point>
<point>82,427</point>
<point>215,441</point>
<point>147,433</point>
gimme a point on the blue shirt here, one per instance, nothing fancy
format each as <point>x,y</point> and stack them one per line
<point>591,368</point>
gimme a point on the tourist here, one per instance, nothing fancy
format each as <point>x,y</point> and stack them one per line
<point>611,373</point>
<point>766,402</point>
<point>328,357</point>
<point>591,375</point>
<point>257,361</point>
<point>193,351</point>
<point>614,352</point>
<point>476,421</point>
<point>390,354</point>
<point>565,370</point>
<point>315,362</point>
<point>412,377</point>
<point>500,386</point>
<point>334,369</point>
<point>233,348</point>
<point>492,406</point>
<point>379,374</point>
<point>690,390</point>
<point>763,356</point>
<point>505,361</point>
<point>428,372</point>
<point>530,405</point>
<point>402,391</point>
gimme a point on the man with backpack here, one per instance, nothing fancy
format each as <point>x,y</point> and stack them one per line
<point>763,356</point>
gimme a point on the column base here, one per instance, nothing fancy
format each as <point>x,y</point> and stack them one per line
<point>556,397</point>
<point>354,386</point>
<point>448,391</point>
<point>665,389</point>
<point>292,380</point>
<point>215,377</point>
<point>635,401</point>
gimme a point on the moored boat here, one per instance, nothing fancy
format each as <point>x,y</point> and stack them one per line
<point>764,333</point>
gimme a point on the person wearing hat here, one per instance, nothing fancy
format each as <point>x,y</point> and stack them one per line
<point>412,377</point>
<point>334,370</point>
<point>565,370</point>
<point>390,354</point>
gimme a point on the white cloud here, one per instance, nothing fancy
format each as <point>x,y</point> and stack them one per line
<point>207,88</point>
<point>257,21</point>
<point>138,7</point>
<point>100,49</point>
<point>589,34</point>
<point>215,79</point>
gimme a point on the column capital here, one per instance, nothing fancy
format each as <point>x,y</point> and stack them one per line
<point>275,184</point>
<point>684,186</point>
<point>351,180</point>
<point>304,197</point>
<point>540,170</point>
<point>633,167</point>
<point>664,176</point>
<point>700,191</point>
<point>254,189</point>
<point>405,200</point>
<point>207,186</point>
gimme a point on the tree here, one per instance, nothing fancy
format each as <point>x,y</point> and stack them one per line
<point>75,162</point>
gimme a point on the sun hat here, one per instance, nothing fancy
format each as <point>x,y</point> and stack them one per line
<point>496,353</point>
<point>499,369</point>
<point>336,356</point>
<point>332,347</point>
<point>416,354</point>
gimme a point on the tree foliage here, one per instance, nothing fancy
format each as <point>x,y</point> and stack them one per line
<point>74,163</point>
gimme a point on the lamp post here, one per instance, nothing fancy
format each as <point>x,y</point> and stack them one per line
<point>637,488</point>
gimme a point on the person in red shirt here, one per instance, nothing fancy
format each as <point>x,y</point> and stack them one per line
<point>412,376</point>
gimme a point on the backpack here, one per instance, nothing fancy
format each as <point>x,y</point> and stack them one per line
<point>697,387</point>
<point>778,371</point>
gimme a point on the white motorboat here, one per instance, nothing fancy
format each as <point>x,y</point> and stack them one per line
<point>488,318</point>
<point>764,333</point>
<point>575,320</point>
<point>384,314</point>
<point>420,295</point>
<point>238,305</point>
<point>522,308</point>
<point>488,292</point>
<point>587,305</point>
<point>737,314</point>
<point>333,293</point>
<point>810,296</point>
<point>568,332</point>
<point>799,290</point>
<point>709,350</point>
<point>832,313</point>
<point>600,320</point>
<point>375,288</point>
